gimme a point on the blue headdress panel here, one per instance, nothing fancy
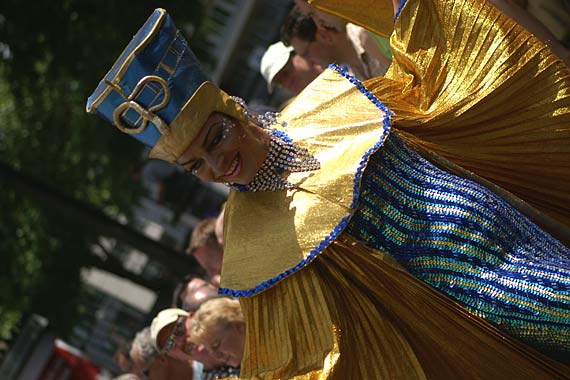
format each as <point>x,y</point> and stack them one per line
<point>151,81</point>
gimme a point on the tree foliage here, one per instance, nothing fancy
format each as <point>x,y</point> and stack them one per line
<point>52,55</point>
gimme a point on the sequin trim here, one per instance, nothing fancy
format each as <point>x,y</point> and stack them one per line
<point>468,243</point>
<point>402,4</point>
<point>344,221</point>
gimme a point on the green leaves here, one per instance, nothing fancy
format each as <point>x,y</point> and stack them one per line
<point>59,52</point>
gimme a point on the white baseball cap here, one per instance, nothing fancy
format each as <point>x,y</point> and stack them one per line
<point>163,319</point>
<point>273,61</point>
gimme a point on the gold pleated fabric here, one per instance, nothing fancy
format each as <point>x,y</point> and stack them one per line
<point>481,91</point>
<point>477,89</point>
<point>339,124</point>
<point>294,336</point>
<point>384,324</point>
<point>466,84</point>
<point>471,86</point>
<point>375,15</point>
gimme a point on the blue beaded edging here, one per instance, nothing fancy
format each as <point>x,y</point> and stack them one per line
<point>279,169</point>
<point>344,221</point>
<point>402,3</point>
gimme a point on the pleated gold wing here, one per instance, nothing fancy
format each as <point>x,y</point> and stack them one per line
<point>474,87</point>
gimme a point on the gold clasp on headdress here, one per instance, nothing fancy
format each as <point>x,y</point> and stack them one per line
<point>146,114</point>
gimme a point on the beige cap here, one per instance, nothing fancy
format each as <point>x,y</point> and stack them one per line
<point>273,61</point>
<point>163,319</point>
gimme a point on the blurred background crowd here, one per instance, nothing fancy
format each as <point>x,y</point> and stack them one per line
<point>107,256</point>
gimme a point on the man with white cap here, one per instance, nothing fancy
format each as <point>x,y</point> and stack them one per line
<point>170,332</point>
<point>344,43</point>
<point>280,66</point>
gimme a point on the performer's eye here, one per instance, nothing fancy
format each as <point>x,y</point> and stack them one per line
<point>217,139</point>
<point>222,131</point>
<point>195,168</point>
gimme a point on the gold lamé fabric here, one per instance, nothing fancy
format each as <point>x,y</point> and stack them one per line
<point>474,87</point>
<point>480,91</point>
<point>384,324</point>
<point>374,15</point>
<point>474,92</point>
<point>338,124</point>
<point>466,84</point>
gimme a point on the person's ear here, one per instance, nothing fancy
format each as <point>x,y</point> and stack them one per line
<point>325,35</point>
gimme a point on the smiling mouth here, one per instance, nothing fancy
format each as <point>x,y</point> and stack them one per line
<point>234,168</point>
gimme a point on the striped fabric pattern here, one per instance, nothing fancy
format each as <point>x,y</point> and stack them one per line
<point>467,242</point>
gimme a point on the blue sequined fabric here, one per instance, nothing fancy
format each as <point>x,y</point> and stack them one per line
<point>467,242</point>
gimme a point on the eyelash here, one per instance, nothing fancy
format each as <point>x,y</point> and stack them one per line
<point>221,135</point>
<point>216,140</point>
<point>194,169</point>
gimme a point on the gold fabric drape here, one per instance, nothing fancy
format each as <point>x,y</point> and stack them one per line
<point>474,87</point>
<point>385,324</point>
<point>339,125</point>
<point>467,85</point>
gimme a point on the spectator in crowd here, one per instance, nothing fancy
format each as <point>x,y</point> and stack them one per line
<point>149,363</point>
<point>219,229</point>
<point>192,292</point>
<point>322,19</point>
<point>170,332</point>
<point>548,20</point>
<point>351,45</point>
<point>142,351</point>
<point>122,357</point>
<point>220,326</point>
<point>206,250</point>
<point>280,66</point>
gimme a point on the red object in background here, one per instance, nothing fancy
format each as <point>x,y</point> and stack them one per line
<point>68,363</point>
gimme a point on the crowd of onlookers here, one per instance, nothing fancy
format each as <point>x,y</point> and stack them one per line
<point>202,335</point>
<point>312,39</point>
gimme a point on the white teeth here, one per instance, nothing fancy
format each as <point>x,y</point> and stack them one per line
<point>232,168</point>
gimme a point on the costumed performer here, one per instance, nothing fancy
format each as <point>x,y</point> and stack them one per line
<point>412,227</point>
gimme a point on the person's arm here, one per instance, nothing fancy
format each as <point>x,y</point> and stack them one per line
<point>526,20</point>
<point>396,4</point>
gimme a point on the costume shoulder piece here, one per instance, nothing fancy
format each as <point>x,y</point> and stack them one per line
<point>270,235</point>
<point>479,90</point>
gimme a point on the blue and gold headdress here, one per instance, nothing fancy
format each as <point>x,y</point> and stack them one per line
<point>157,92</point>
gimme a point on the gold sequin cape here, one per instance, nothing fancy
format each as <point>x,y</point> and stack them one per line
<point>473,92</point>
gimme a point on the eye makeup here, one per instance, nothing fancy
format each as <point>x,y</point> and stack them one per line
<point>218,132</point>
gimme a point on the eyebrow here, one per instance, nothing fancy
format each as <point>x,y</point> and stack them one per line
<point>203,143</point>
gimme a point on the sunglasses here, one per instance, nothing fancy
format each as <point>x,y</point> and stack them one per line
<point>178,331</point>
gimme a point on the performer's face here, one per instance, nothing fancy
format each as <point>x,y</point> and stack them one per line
<point>226,150</point>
